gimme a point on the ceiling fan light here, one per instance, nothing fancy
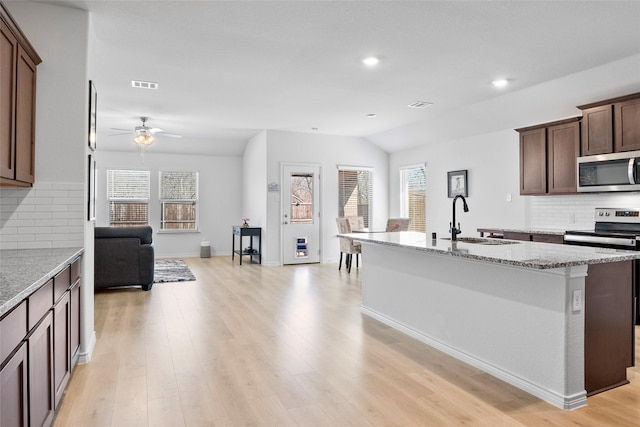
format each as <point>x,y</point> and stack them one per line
<point>144,138</point>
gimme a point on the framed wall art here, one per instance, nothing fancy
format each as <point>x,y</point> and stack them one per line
<point>91,189</point>
<point>457,183</point>
<point>93,106</point>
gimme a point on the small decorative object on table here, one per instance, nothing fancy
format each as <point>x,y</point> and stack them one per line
<point>245,222</point>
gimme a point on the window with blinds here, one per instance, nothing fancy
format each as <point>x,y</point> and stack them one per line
<point>413,183</point>
<point>178,200</point>
<point>128,197</point>
<point>355,192</point>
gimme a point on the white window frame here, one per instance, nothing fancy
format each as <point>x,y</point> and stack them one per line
<point>164,201</point>
<point>404,197</point>
<point>127,200</point>
<point>368,219</point>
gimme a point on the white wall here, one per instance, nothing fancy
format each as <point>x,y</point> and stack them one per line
<point>52,214</point>
<point>220,198</point>
<point>492,158</point>
<point>492,164</point>
<point>254,184</point>
<point>329,151</point>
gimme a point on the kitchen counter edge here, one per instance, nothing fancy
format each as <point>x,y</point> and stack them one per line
<point>23,271</point>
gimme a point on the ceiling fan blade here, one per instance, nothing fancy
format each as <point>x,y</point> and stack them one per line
<point>120,133</point>
<point>154,130</point>
<point>124,130</point>
<point>170,135</point>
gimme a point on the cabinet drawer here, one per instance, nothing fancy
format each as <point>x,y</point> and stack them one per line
<point>13,329</point>
<point>61,283</point>
<point>512,235</point>
<point>39,303</point>
<point>75,270</point>
<point>548,238</point>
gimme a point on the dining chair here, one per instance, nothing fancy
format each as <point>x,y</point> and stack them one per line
<point>356,222</point>
<point>347,246</point>
<point>398,224</point>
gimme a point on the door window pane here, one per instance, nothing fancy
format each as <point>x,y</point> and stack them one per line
<point>301,199</point>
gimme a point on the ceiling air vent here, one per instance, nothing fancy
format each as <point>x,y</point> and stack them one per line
<point>144,85</point>
<point>420,104</point>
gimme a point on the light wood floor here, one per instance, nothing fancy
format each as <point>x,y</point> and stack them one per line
<point>285,346</point>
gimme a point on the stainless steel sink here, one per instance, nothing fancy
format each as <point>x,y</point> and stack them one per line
<point>481,241</point>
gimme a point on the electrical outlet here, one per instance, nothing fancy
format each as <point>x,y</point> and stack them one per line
<point>576,303</point>
<point>508,197</point>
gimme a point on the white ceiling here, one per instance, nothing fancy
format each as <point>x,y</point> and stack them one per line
<point>228,69</point>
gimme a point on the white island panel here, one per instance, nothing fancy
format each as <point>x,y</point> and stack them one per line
<point>512,322</point>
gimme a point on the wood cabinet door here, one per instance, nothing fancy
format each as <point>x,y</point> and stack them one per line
<point>563,148</point>
<point>41,395</point>
<point>597,130</point>
<point>8,53</point>
<point>627,125</point>
<point>533,161</point>
<point>25,117</point>
<point>61,344</point>
<point>13,384</point>
<point>75,320</point>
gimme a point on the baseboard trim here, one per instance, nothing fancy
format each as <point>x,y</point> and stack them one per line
<point>567,403</point>
<point>85,352</point>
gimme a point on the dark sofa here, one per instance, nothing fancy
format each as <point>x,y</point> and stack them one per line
<point>124,256</point>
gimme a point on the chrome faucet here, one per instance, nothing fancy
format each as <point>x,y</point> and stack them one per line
<point>452,228</point>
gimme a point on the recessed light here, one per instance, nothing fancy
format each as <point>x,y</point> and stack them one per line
<point>370,61</point>
<point>371,116</point>
<point>500,82</point>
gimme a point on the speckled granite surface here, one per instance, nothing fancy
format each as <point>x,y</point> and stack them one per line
<point>510,252</point>
<point>25,270</point>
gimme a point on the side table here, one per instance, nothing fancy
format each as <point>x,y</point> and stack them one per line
<point>249,232</point>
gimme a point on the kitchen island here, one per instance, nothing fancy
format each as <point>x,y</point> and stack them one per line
<point>512,309</point>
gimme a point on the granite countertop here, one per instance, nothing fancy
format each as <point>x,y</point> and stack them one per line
<point>23,271</point>
<point>511,252</point>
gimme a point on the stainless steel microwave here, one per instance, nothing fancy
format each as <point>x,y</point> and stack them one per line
<point>609,172</point>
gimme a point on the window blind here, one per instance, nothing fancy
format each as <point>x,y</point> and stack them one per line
<point>128,197</point>
<point>178,200</point>
<point>355,193</point>
<point>413,183</point>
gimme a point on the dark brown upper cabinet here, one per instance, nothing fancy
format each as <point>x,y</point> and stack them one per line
<point>548,154</point>
<point>18,61</point>
<point>611,126</point>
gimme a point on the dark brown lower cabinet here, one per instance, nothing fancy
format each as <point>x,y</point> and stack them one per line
<point>41,394</point>
<point>13,383</point>
<point>61,343</point>
<point>608,325</point>
<point>74,337</point>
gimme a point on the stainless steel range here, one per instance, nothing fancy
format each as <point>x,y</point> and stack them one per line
<point>617,229</point>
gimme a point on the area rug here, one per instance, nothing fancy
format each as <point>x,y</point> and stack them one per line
<point>172,270</point>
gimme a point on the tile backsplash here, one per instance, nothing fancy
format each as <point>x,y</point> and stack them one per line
<point>575,212</point>
<point>48,215</point>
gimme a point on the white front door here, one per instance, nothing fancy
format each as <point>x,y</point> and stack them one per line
<point>300,214</point>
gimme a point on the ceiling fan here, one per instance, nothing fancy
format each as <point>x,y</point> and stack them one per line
<point>144,135</point>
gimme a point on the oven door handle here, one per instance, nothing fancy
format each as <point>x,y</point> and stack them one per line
<point>631,169</point>
<point>595,240</point>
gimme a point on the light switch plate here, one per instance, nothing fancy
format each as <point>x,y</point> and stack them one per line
<point>576,301</point>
